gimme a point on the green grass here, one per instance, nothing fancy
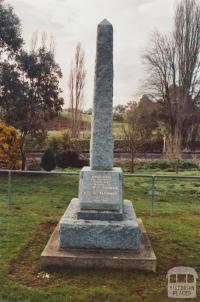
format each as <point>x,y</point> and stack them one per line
<point>39,202</point>
<point>85,117</point>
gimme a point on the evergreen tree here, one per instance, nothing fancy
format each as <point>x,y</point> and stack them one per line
<point>10,30</point>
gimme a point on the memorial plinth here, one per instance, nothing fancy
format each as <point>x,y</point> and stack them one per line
<point>100,218</point>
<point>99,234</point>
<point>99,225</point>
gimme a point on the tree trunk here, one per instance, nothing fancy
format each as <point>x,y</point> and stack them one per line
<point>23,166</point>
<point>174,143</point>
<point>23,153</point>
<point>132,162</point>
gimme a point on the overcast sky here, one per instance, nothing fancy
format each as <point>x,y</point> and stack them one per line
<point>73,21</point>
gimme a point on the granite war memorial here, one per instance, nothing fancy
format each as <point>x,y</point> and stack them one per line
<point>99,228</point>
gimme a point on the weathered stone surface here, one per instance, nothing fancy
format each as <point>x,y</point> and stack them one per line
<point>101,190</point>
<point>101,147</point>
<point>142,259</point>
<point>89,234</point>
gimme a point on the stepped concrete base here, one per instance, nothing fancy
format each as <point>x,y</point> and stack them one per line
<point>143,259</point>
<point>102,234</point>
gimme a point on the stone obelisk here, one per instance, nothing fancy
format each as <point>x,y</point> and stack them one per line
<point>99,217</point>
<point>99,228</point>
<point>101,147</point>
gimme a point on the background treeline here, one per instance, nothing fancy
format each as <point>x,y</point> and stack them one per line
<point>165,119</point>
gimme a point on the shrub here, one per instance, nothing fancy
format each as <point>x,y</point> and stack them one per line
<point>10,154</point>
<point>83,145</point>
<point>161,165</point>
<point>188,165</point>
<point>83,163</point>
<point>60,142</point>
<point>171,166</point>
<point>33,164</point>
<point>48,162</point>
<point>68,159</point>
<point>170,170</point>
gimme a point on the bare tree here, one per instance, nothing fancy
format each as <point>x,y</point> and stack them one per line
<point>131,134</point>
<point>173,64</point>
<point>76,90</point>
<point>44,39</point>
<point>35,42</point>
<point>52,44</point>
<point>131,141</point>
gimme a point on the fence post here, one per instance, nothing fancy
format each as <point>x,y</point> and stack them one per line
<point>152,197</point>
<point>9,189</point>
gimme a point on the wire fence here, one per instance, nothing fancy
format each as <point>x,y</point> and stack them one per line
<point>153,182</point>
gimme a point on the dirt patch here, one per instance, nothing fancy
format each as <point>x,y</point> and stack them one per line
<point>25,268</point>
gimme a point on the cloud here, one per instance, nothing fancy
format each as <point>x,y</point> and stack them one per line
<point>71,21</point>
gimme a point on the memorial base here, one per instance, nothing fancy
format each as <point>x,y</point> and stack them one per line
<point>143,259</point>
<point>100,234</point>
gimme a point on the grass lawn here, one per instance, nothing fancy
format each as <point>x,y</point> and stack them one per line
<point>39,202</point>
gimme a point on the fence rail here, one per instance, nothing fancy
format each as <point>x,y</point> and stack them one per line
<point>153,178</point>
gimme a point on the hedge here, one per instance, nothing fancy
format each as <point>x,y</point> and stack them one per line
<point>120,146</point>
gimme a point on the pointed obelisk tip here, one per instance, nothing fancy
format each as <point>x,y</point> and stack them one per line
<point>105,22</point>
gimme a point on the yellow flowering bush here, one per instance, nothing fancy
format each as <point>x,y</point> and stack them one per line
<point>10,154</point>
